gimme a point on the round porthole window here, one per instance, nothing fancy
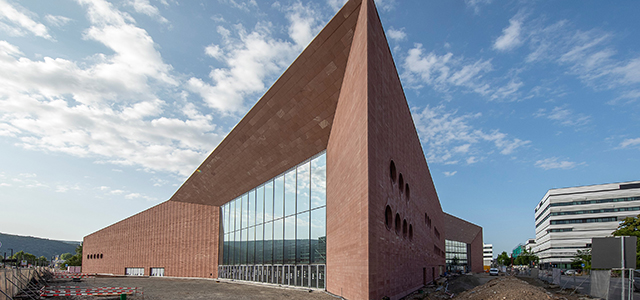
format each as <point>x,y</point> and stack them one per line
<point>410,232</point>
<point>388,217</point>
<point>405,229</point>
<point>392,171</point>
<point>407,193</point>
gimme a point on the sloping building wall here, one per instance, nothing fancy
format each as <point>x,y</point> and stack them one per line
<point>179,237</point>
<point>460,230</point>
<point>384,220</point>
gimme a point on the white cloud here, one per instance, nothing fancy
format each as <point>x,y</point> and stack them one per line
<point>5,184</point>
<point>245,5</point>
<point>139,196</point>
<point>214,51</point>
<point>589,55</point>
<point>448,137</point>
<point>252,58</point>
<point>303,23</point>
<point>564,116</point>
<point>336,4</point>
<point>511,36</point>
<point>18,16</point>
<point>630,143</point>
<point>385,5</point>
<point>65,188</point>
<point>475,4</point>
<point>443,72</point>
<point>57,21</point>
<point>108,108</point>
<point>144,7</point>
<point>554,163</point>
<point>396,34</point>
<point>449,174</point>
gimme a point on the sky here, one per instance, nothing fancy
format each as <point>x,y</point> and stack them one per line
<point>106,107</point>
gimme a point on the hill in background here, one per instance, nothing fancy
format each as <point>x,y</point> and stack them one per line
<point>36,246</point>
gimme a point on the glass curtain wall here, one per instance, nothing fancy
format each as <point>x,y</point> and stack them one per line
<point>276,233</point>
<point>456,256</point>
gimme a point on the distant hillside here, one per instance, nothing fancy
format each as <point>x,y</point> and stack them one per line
<point>36,246</point>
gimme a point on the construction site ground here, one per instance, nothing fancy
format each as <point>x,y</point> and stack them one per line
<point>476,287</point>
<point>166,288</point>
<point>485,287</point>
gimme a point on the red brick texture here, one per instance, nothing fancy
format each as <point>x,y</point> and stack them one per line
<point>460,230</point>
<point>289,124</point>
<point>342,94</point>
<point>372,127</point>
<point>180,237</point>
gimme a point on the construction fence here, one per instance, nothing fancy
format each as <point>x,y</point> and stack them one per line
<point>12,281</point>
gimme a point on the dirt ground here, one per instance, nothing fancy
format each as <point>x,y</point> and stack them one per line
<point>165,288</point>
<point>463,287</point>
<point>484,287</point>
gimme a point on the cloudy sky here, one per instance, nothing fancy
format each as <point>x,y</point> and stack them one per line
<point>106,107</point>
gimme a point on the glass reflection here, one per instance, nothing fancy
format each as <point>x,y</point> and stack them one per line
<point>260,205</point>
<point>278,198</point>
<point>303,177</point>
<point>268,243</point>
<point>279,226</point>
<point>278,241</point>
<point>290,240</point>
<point>290,192</point>
<point>252,208</point>
<point>302,238</point>
<point>268,201</point>
<point>319,181</point>
<point>318,244</point>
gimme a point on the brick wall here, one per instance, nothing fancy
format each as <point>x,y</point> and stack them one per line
<point>180,237</point>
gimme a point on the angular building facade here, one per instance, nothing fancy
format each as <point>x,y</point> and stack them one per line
<point>463,245</point>
<point>566,219</point>
<point>323,184</point>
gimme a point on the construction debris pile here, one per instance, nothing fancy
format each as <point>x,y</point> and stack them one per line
<point>468,287</point>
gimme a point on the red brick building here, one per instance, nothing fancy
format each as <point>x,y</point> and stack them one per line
<point>322,184</point>
<point>468,236</point>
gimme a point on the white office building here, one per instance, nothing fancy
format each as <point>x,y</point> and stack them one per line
<point>566,219</point>
<point>487,254</point>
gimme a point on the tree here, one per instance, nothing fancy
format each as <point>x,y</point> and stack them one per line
<point>73,260</point>
<point>582,257</point>
<point>504,259</point>
<point>526,258</point>
<point>630,227</point>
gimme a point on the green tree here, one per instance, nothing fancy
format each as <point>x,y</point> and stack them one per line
<point>630,227</point>
<point>74,260</point>
<point>526,258</point>
<point>504,259</point>
<point>21,255</point>
<point>582,257</point>
<point>65,256</point>
<point>42,261</point>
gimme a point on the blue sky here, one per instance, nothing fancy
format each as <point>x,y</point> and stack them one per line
<point>107,107</point>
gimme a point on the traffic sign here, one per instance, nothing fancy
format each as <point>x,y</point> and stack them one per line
<point>583,265</point>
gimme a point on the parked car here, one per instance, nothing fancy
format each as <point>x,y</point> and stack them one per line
<point>493,271</point>
<point>570,272</point>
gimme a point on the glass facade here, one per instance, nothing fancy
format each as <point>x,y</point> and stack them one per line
<point>276,233</point>
<point>456,256</point>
